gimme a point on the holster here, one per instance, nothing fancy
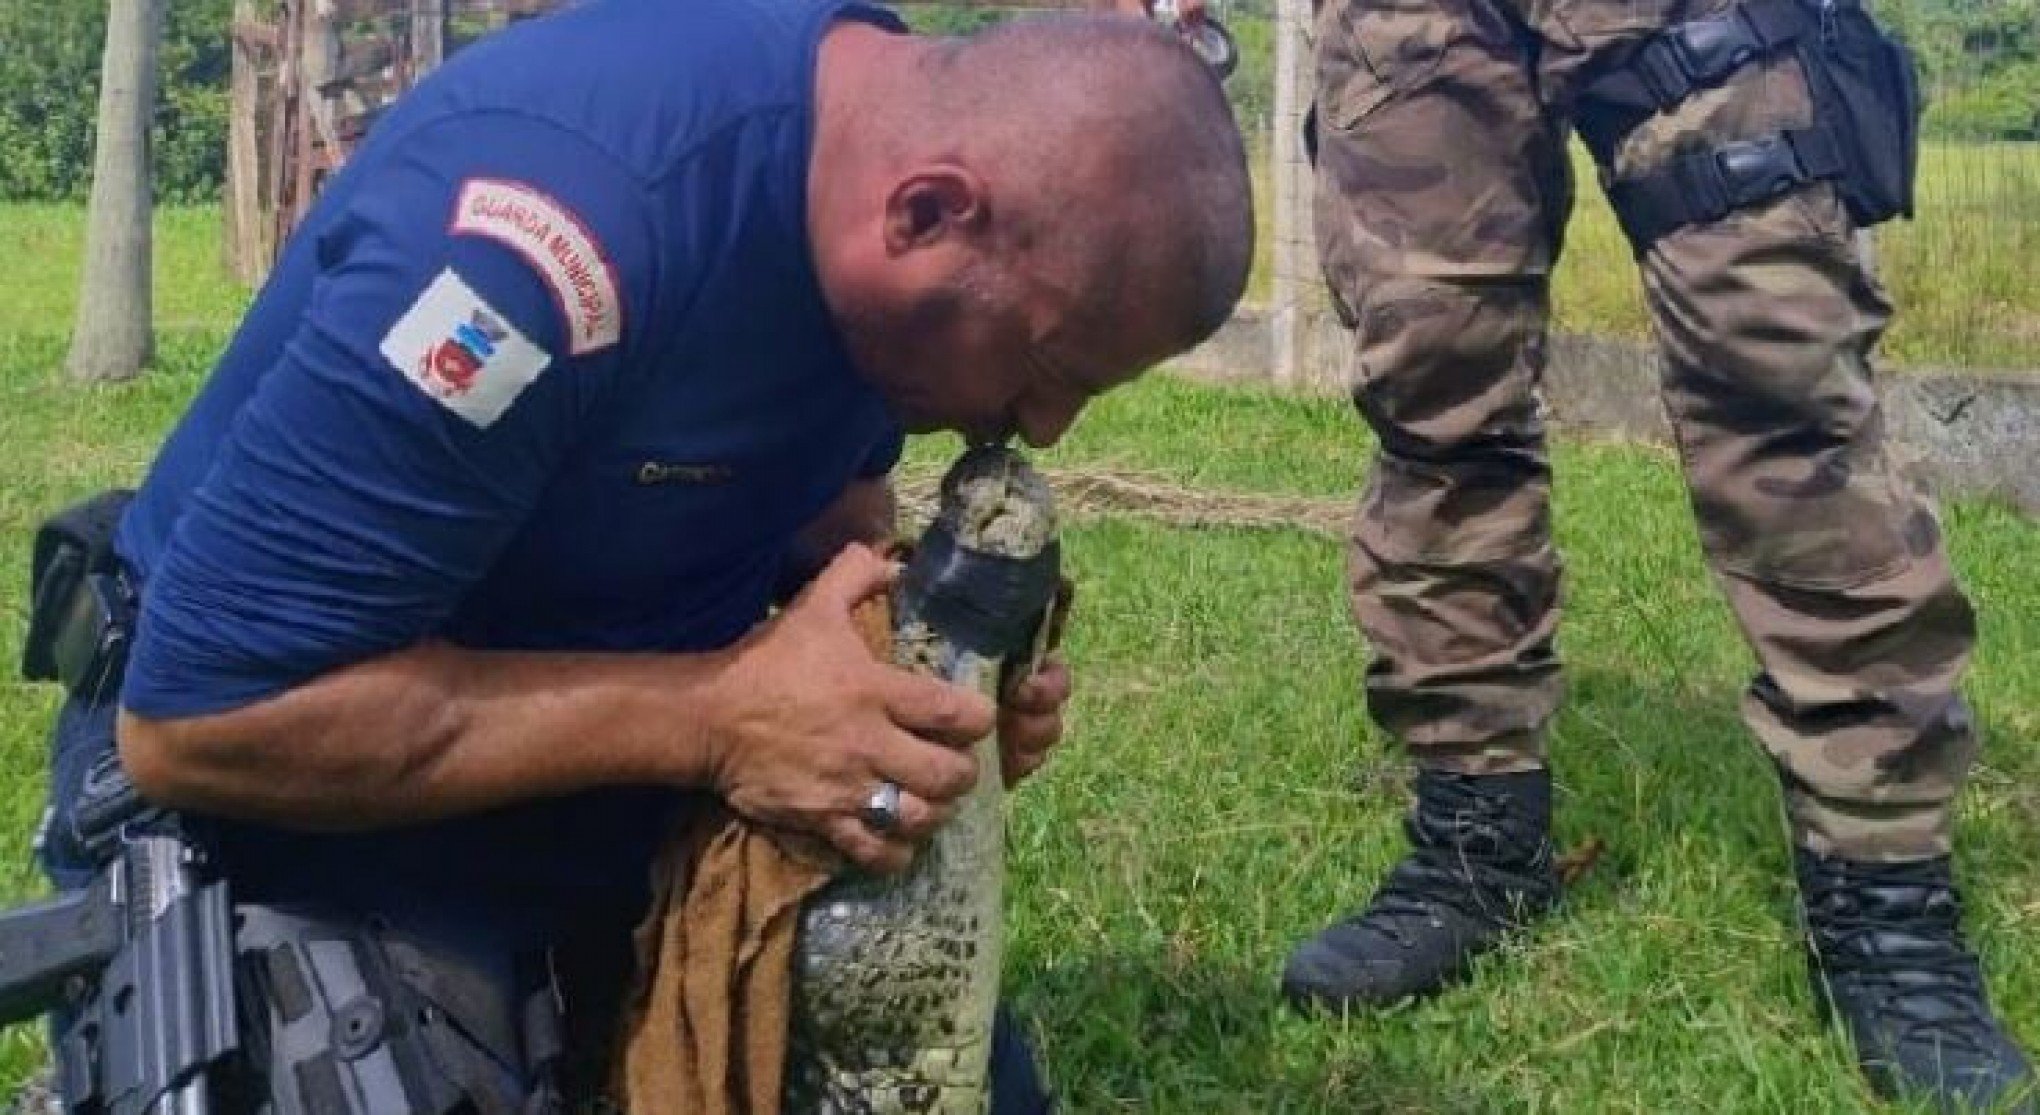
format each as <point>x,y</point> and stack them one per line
<point>82,606</point>
<point>326,1011</point>
<point>1863,138</point>
<point>1866,89</point>
<point>349,1017</point>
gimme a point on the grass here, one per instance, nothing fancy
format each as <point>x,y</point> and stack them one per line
<point>192,287</point>
<point>1221,793</point>
<point>1960,273</point>
<point>64,442</point>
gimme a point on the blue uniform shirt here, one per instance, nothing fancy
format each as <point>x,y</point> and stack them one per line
<point>547,367</point>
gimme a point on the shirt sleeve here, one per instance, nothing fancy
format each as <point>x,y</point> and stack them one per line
<point>478,301</point>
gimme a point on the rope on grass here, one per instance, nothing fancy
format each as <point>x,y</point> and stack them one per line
<point>1095,493</point>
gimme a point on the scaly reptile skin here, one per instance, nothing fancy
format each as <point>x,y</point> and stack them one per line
<point>895,979</point>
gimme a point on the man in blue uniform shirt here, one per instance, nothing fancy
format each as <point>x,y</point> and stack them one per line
<point>459,566</point>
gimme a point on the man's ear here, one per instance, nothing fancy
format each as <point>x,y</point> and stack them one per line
<point>932,204</point>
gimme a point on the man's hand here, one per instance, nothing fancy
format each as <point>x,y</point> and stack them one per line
<point>1030,720</point>
<point>864,512</point>
<point>807,724</point>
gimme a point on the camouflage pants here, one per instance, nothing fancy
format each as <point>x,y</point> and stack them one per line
<point>1442,195</point>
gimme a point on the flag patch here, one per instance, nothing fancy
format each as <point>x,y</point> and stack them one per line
<point>461,352</point>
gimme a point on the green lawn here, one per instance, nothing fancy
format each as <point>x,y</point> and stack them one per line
<point>1221,793</point>
<point>1961,273</point>
<point>37,294</point>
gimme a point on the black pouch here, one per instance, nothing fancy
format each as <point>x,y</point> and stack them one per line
<point>1866,91</point>
<point>81,608</point>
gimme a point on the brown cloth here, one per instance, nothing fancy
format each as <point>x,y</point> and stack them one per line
<point>705,1032</point>
<point>704,1029</point>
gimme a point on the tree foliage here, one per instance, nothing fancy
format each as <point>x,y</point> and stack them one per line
<point>49,88</point>
<point>1980,60</point>
<point>1981,63</point>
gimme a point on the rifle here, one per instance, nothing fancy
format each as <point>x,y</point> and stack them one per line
<point>137,967</point>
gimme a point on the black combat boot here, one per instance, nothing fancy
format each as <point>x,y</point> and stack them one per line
<point>1886,953</point>
<point>1480,866</point>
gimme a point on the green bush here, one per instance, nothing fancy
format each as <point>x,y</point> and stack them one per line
<point>1980,60</point>
<point>2004,106</point>
<point>49,98</point>
<point>1252,87</point>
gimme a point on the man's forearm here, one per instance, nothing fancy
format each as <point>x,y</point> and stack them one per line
<point>432,732</point>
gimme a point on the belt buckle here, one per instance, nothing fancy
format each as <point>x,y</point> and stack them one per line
<point>1710,49</point>
<point>1757,170</point>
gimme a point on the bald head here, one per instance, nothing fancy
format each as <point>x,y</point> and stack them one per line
<point>1009,224</point>
<point>1112,148</point>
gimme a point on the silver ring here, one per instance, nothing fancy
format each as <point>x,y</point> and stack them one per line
<point>882,809</point>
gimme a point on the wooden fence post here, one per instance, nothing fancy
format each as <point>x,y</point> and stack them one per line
<point>1290,225</point>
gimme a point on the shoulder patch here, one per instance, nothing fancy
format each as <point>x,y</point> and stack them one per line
<point>552,239</point>
<point>460,351</point>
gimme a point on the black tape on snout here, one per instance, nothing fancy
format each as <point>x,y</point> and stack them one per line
<point>985,603</point>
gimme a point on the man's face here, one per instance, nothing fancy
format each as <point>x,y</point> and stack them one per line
<point>991,352</point>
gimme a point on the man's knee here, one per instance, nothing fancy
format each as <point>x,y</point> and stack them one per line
<point>1443,365</point>
<point>1811,512</point>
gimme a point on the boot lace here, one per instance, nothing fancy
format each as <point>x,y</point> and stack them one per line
<point>1465,860</point>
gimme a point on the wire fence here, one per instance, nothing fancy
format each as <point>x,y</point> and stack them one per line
<point>1962,272</point>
